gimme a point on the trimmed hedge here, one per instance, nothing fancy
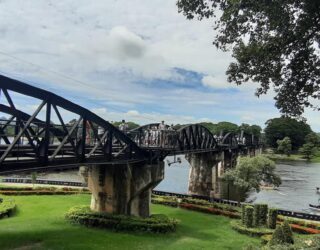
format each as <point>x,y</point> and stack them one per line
<point>248,216</point>
<point>254,232</point>
<point>165,200</point>
<point>263,214</point>
<point>256,215</point>
<point>209,210</point>
<point>155,223</point>
<point>7,208</point>
<point>272,218</point>
<point>300,222</point>
<point>282,235</point>
<point>39,192</point>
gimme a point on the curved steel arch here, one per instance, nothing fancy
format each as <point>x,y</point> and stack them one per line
<point>230,140</point>
<point>71,143</point>
<point>196,137</point>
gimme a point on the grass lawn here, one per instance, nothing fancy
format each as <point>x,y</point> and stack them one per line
<point>39,224</point>
<point>293,157</point>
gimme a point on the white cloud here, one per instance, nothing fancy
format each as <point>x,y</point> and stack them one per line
<point>212,82</point>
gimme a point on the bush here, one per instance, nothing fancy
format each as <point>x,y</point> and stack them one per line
<point>248,216</point>
<point>272,218</point>
<point>282,235</point>
<point>7,208</point>
<point>243,212</point>
<point>263,214</point>
<point>155,223</point>
<point>254,232</point>
<point>165,200</point>
<point>256,215</point>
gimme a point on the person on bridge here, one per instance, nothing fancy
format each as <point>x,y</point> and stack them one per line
<point>162,128</point>
<point>123,126</point>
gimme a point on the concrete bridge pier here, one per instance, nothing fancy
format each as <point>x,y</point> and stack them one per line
<point>202,172</point>
<point>124,189</point>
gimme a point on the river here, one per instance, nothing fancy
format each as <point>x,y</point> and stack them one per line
<point>298,188</point>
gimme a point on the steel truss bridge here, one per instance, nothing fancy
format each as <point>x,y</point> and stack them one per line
<point>32,141</point>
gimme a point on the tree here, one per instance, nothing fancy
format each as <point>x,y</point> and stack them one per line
<point>284,146</point>
<point>313,138</point>
<point>308,150</point>
<point>250,172</point>
<point>278,128</point>
<point>275,43</point>
<point>131,125</point>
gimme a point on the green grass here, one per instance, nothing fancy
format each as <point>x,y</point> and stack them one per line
<point>292,157</point>
<point>40,224</point>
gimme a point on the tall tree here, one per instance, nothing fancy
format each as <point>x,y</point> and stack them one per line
<point>284,146</point>
<point>278,128</point>
<point>275,43</point>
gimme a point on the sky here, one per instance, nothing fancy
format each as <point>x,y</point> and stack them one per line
<point>136,60</point>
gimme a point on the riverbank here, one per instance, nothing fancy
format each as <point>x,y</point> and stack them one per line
<point>40,224</point>
<point>292,157</point>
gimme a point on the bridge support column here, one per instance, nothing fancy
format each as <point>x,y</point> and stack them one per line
<point>202,172</point>
<point>124,189</point>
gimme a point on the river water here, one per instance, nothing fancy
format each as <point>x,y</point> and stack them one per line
<point>298,188</point>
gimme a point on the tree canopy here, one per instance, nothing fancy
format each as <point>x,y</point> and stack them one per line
<point>274,43</point>
<point>227,127</point>
<point>250,172</point>
<point>278,128</point>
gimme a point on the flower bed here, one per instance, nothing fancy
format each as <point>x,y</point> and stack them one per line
<point>210,210</point>
<point>304,230</point>
<point>155,223</point>
<point>300,222</point>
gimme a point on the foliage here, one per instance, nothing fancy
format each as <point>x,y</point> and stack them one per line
<point>7,207</point>
<point>313,138</point>
<point>248,216</point>
<point>278,128</point>
<point>272,218</point>
<point>275,43</point>
<point>255,232</point>
<point>156,223</point>
<point>263,214</point>
<point>308,150</point>
<point>250,172</point>
<point>284,146</point>
<point>165,200</point>
<point>256,215</point>
<point>282,235</point>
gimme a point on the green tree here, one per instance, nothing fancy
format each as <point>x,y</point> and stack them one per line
<point>275,43</point>
<point>313,138</point>
<point>250,172</point>
<point>131,125</point>
<point>278,128</point>
<point>284,146</point>
<point>308,150</point>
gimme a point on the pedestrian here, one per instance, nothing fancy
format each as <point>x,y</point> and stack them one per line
<point>123,126</point>
<point>162,128</point>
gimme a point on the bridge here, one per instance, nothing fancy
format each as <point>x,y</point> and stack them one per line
<point>122,167</point>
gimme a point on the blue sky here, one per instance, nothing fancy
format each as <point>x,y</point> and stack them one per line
<point>137,60</point>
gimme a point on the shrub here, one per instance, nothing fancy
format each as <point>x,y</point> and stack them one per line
<point>243,212</point>
<point>272,218</point>
<point>7,208</point>
<point>155,223</point>
<point>255,232</point>
<point>165,200</point>
<point>282,235</point>
<point>256,215</point>
<point>248,216</point>
<point>263,214</point>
